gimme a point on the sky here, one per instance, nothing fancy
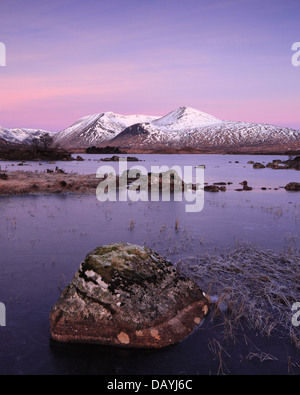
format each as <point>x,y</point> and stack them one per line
<point>66,59</point>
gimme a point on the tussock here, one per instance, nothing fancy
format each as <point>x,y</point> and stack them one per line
<point>251,287</point>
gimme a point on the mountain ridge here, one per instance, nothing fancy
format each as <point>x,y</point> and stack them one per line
<point>94,129</point>
<point>182,129</point>
<point>22,135</point>
<point>203,131</point>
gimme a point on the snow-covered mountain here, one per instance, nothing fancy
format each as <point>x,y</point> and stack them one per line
<point>184,128</point>
<point>95,129</point>
<point>21,136</point>
<point>190,128</point>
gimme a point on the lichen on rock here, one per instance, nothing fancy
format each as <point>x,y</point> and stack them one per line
<point>129,296</point>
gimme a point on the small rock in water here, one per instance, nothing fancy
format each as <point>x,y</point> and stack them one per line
<point>246,186</point>
<point>129,296</point>
<point>258,165</point>
<point>211,188</point>
<point>293,186</point>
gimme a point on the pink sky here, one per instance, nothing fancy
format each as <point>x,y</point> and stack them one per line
<point>67,59</point>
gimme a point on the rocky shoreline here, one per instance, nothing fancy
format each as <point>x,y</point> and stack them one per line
<point>278,164</point>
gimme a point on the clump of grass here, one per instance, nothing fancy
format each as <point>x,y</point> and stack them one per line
<point>252,287</point>
<point>219,352</point>
<point>131,224</point>
<point>162,228</point>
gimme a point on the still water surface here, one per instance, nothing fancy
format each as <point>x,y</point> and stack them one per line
<point>43,240</point>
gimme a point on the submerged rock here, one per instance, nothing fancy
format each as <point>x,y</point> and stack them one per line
<point>129,296</point>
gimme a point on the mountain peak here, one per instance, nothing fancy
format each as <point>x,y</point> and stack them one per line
<point>185,118</point>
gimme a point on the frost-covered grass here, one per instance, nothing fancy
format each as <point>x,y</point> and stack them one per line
<point>251,287</point>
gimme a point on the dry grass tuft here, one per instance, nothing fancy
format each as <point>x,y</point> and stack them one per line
<point>251,287</point>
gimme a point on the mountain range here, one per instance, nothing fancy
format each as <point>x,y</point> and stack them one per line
<point>21,136</point>
<point>183,129</point>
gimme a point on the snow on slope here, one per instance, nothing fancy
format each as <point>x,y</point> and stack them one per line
<point>242,134</point>
<point>187,127</point>
<point>184,118</point>
<point>21,136</point>
<point>94,129</point>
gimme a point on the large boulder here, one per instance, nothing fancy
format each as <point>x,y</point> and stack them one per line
<point>129,296</point>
